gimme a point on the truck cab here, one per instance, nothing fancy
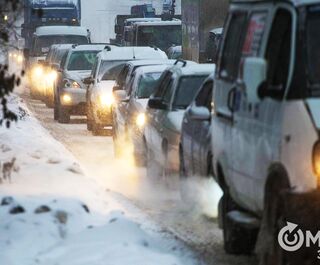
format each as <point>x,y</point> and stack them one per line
<point>160,34</point>
<point>265,122</point>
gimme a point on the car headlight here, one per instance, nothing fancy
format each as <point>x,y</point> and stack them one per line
<point>106,99</point>
<point>19,58</point>
<point>38,71</point>
<point>71,84</point>
<point>52,76</point>
<point>316,160</point>
<point>141,120</point>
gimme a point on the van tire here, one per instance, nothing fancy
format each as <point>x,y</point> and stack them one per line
<point>267,247</point>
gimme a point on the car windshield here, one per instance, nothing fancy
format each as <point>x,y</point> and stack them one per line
<point>109,70</point>
<point>313,44</point>
<point>147,84</point>
<point>42,44</point>
<point>82,60</point>
<point>187,88</point>
<point>162,37</point>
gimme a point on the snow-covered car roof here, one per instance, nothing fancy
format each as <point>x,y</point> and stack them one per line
<point>193,69</point>
<point>151,62</point>
<point>177,48</point>
<point>294,2</point>
<point>61,30</point>
<point>217,31</point>
<point>159,23</point>
<point>90,47</point>
<point>151,69</point>
<point>132,53</point>
<point>144,19</point>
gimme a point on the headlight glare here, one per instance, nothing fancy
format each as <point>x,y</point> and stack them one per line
<point>106,99</point>
<point>141,120</point>
<point>316,160</point>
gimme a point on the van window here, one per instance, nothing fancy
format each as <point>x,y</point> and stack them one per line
<point>278,53</point>
<point>256,28</point>
<point>233,41</point>
<point>204,97</point>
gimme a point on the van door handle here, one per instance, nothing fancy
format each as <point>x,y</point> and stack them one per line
<point>231,99</point>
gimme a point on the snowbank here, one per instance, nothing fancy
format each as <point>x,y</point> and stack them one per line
<point>51,213</point>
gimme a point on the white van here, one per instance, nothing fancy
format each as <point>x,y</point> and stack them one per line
<point>266,121</point>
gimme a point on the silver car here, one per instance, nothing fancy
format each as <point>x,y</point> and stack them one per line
<point>175,91</point>
<point>70,90</point>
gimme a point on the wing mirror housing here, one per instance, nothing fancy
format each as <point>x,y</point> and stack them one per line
<point>88,80</point>
<point>120,95</point>
<point>157,103</point>
<point>199,113</point>
<point>254,74</point>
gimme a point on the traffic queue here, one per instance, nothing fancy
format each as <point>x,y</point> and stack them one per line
<point>251,121</point>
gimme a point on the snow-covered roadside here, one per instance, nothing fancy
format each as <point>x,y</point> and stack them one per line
<point>80,223</point>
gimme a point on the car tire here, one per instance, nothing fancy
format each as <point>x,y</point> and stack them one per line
<point>154,170</point>
<point>267,247</point>
<point>116,146</point>
<point>63,114</point>
<point>89,118</point>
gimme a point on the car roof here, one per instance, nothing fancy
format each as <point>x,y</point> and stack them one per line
<point>142,19</point>
<point>132,53</point>
<point>150,62</point>
<point>294,2</point>
<point>89,47</point>
<point>61,30</point>
<point>151,69</point>
<point>159,23</point>
<point>192,69</point>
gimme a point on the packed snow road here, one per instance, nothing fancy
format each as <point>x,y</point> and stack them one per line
<point>157,198</point>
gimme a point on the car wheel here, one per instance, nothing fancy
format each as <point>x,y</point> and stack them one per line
<point>267,247</point>
<point>63,114</point>
<point>116,146</point>
<point>153,168</point>
<point>55,110</point>
<point>89,118</point>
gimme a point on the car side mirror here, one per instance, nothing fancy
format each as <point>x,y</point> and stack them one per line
<point>254,74</point>
<point>115,88</point>
<point>56,67</point>
<point>88,80</point>
<point>199,113</point>
<point>157,103</point>
<point>120,95</point>
<point>26,53</point>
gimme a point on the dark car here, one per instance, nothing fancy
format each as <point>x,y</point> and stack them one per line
<point>195,143</point>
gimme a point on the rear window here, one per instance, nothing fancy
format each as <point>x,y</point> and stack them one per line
<point>186,91</point>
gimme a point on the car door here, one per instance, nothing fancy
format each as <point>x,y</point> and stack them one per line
<point>201,132</point>
<point>256,134</point>
<point>154,116</point>
<point>224,90</point>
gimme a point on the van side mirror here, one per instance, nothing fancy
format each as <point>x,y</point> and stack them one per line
<point>199,113</point>
<point>157,103</point>
<point>254,74</point>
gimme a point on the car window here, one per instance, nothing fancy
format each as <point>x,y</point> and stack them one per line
<point>278,53</point>
<point>203,98</point>
<point>147,84</point>
<point>168,91</point>
<point>82,60</point>
<point>231,52</point>
<point>112,73</point>
<point>187,89</point>
<point>163,82</point>
<point>122,77</point>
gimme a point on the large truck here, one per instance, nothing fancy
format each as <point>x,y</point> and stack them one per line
<point>199,17</point>
<point>160,34</point>
<point>48,12</point>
